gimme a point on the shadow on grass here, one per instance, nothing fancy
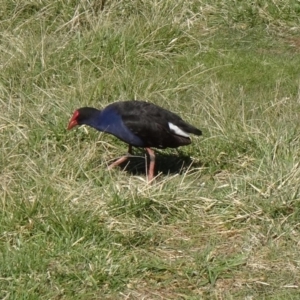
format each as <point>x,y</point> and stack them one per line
<point>165,163</point>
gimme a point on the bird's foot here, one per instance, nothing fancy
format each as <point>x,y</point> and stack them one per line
<point>118,162</point>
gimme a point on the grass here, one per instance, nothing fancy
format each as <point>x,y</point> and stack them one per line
<point>221,220</point>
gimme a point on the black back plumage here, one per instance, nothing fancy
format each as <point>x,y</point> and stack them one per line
<point>151,124</point>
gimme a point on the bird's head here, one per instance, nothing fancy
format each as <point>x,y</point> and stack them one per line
<point>83,115</point>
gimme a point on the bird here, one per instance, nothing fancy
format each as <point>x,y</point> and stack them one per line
<point>139,124</point>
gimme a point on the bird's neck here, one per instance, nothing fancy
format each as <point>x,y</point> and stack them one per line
<point>106,120</point>
<point>95,121</point>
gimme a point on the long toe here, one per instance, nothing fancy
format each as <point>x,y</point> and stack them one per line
<point>118,162</point>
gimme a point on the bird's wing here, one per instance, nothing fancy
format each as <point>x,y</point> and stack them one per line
<point>155,132</point>
<point>154,125</point>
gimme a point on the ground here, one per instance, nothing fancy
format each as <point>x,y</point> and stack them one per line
<point>221,220</point>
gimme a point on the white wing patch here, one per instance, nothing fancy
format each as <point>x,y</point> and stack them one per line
<point>177,130</point>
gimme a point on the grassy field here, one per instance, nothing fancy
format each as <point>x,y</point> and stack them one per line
<point>221,221</point>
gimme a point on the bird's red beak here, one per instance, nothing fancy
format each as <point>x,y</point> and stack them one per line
<point>73,122</point>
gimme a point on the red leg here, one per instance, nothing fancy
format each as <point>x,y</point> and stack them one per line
<point>118,162</point>
<point>152,164</point>
<point>121,159</point>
